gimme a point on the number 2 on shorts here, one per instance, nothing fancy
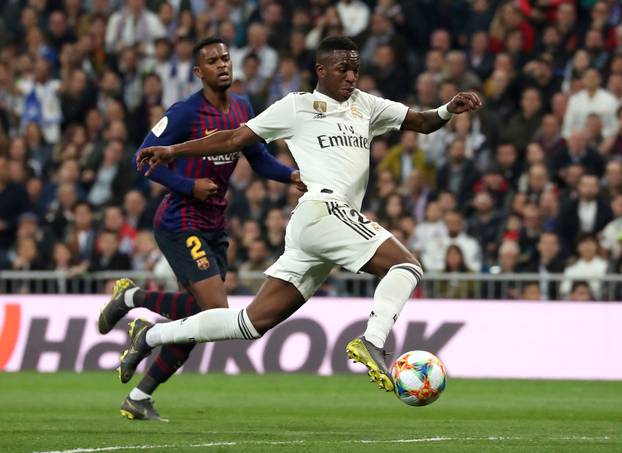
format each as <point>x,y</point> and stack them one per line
<point>194,244</point>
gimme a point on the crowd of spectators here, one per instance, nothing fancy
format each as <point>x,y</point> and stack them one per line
<point>530,183</point>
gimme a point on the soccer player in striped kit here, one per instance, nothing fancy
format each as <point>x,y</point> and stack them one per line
<point>189,225</point>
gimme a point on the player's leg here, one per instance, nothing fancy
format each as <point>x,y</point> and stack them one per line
<point>400,272</point>
<point>194,257</point>
<point>138,404</point>
<point>291,281</point>
<point>171,357</point>
<point>344,236</point>
<point>275,302</point>
<point>205,290</point>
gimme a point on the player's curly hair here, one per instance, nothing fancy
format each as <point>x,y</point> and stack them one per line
<point>204,43</point>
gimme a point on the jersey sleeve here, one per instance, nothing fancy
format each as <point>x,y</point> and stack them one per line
<point>386,115</point>
<point>276,122</point>
<point>266,165</point>
<point>174,127</point>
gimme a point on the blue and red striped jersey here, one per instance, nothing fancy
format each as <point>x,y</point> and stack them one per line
<point>190,119</point>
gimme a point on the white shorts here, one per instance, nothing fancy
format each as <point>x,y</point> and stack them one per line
<point>320,235</point>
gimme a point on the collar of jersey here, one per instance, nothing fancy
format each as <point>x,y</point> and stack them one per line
<point>329,99</point>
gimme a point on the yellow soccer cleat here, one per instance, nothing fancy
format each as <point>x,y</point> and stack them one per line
<point>140,410</point>
<point>137,351</point>
<point>362,351</point>
<point>115,309</point>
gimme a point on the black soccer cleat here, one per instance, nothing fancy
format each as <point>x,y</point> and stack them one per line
<point>115,309</point>
<point>138,350</point>
<point>362,351</point>
<point>140,410</point>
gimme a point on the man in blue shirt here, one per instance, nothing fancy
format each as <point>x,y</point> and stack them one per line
<point>189,225</point>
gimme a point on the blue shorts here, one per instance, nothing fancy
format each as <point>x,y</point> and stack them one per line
<point>194,255</point>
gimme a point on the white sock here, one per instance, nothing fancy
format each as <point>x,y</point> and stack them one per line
<point>128,297</point>
<point>389,298</point>
<point>137,394</point>
<point>210,325</point>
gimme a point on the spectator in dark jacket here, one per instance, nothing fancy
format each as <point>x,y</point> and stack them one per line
<point>458,175</point>
<point>108,257</point>
<point>578,152</point>
<point>524,124</point>
<point>13,201</point>
<point>549,260</point>
<point>588,214</point>
<point>485,224</point>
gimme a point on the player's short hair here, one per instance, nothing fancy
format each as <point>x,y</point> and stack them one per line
<point>330,44</point>
<point>204,43</point>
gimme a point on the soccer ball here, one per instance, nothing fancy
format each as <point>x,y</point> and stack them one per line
<point>419,378</point>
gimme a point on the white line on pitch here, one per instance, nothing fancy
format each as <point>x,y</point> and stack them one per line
<point>294,442</point>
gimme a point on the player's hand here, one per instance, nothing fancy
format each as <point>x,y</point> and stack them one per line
<point>153,156</point>
<point>298,182</point>
<point>204,188</point>
<point>464,102</point>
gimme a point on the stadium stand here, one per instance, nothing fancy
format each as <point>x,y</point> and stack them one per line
<point>521,200</point>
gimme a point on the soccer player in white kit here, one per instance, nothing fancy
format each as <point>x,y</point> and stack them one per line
<point>328,133</point>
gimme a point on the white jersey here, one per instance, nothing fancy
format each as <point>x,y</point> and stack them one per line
<point>330,140</point>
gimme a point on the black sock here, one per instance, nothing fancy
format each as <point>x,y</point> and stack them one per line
<point>168,361</point>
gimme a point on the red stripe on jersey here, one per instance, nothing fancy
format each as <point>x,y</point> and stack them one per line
<point>186,215</point>
<point>187,211</point>
<point>196,218</point>
<point>216,118</point>
<point>198,212</point>
<point>194,172</point>
<point>207,163</point>
<point>238,113</point>
<point>245,112</point>
<point>161,210</point>
<point>227,116</point>
<point>184,222</point>
<point>234,111</point>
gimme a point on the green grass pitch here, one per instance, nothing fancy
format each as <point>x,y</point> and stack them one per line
<point>301,413</point>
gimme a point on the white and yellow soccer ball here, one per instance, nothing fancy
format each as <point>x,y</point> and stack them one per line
<point>419,377</point>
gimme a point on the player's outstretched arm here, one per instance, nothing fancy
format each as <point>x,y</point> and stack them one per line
<point>432,120</point>
<point>218,142</point>
<point>268,166</point>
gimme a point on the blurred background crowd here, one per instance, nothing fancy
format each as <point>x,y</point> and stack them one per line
<point>530,183</point>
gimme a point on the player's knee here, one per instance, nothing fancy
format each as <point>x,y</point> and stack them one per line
<point>263,326</point>
<point>408,260</point>
<point>412,268</point>
<point>250,330</point>
<point>412,259</point>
